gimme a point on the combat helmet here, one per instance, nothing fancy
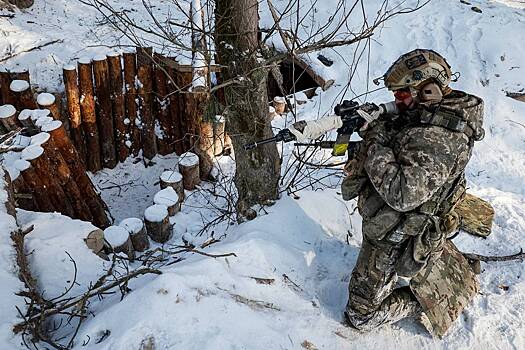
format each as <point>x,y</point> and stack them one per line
<point>416,68</point>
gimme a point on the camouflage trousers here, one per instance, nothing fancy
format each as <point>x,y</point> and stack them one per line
<point>373,301</point>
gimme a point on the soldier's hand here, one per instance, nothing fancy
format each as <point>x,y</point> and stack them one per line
<point>377,134</point>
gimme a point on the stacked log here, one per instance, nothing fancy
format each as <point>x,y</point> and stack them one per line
<point>145,93</point>
<point>88,115</point>
<point>172,178</point>
<point>119,240</point>
<point>118,106</point>
<point>8,117</point>
<point>105,112</point>
<point>169,198</point>
<point>189,168</point>
<point>23,193</point>
<point>137,232</point>
<point>73,109</point>
<point>130,74</point>
<point>23,95</point>
<point>24,118</point>
<point>65,147</point>
<point>48,101</point>
<point>156,219</point>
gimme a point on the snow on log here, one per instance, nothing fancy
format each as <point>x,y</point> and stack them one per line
<point>119,240</point>
<point>169,198</point>
<point>70,155</point>
<point>105,114</point>
<point>137,232</point>
<point>189,168</point>
<point>118,105</point>
<point>156,219</point>
<point>145,90</point>
<point>73,109</point>
<point>279,103</point>
<point>48,101</point>
<point>172,178</point>
<point>218,134</point>
<point>8,117</point>
<point>23,94</point>
<point>88,115</point>
<point>130,77</point>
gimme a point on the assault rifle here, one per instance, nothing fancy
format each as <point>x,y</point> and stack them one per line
<point>349,118</point>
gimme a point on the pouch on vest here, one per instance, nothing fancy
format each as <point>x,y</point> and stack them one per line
<point>383,222</point>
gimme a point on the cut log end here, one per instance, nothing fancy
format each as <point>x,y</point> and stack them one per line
<point>189,168</point>
<point>137,232</point>
<point>156,219</point>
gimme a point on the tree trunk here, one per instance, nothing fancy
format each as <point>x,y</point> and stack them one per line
<point>145,92</point>
<point>258,170</point>
<point>130,76</point>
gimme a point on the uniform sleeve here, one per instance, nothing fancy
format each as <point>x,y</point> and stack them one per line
<point>411,176</point>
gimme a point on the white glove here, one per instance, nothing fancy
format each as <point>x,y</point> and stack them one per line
<point>370,116</point>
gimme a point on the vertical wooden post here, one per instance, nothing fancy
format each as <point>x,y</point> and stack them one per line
<point>175,105</point>
<point>145,89</point>
<point>23,95</point>
<point>73,109</point>
<point>70,155</point>
<point>5,92</point>
<point>184,78</point>
<point>165,141</point>
<point>118,105</point>
<point>130,76</point>
<point>88,115</point>
<point>105,115</point>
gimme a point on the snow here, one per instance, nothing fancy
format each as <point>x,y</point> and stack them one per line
<point>39,139</point>
<point>308,243</point>
<point>171,176</point>
<point>116,235</point>
<point>19,85</point>
<point>45,99</point>
<point>7,111</point>
<point>156,213</point>
<point>22,164</point>
<point>50,125</point>
<point>132,225</point>
<point>167,197</point>
<point>43,122</point>
<point>69,67</point>
<point>25,114</point>
<point>39,113</point>
<point>99,57</point>
<point>188,159</point>
<point>31,153</point>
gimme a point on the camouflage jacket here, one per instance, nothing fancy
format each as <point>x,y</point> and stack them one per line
<point>412,168</point>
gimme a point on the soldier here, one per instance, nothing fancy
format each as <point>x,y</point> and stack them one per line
<point>409,175</point>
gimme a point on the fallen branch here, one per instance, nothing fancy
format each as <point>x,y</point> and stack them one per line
<point>82,298</point>
<point>517,256</point>
<point>31,49</point>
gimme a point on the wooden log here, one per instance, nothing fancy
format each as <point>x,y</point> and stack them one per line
<point>119,240</point>
<point>20,75</point>
<point>145,93</point>
<point>73,109</point>
<point>6,95</point>
<point>165,136</point>
<point>156,219</point>
<point>174,111</point>
<point>104,111</point>
<point>169,198</point>
<point>279,103</point>
<point>8,117</point>
<point>218,134</point>
<point>184,79</point>
<point>35,186</point>
<point>95,241</point>
<point>228,146</point>
<point>137,232</point>
<point>189,168</point>
<point>23,193</point>
<point>130,76</point>
<point>43,169</point>
<point>24,117</point>
<point>48,101</point>
<point>172,178</point>
<point>63,175</point>
<point>88,116</point>
<point>70,155</point>
<point>205,149</point>
<point>118,106</point>
<point>23,95</point>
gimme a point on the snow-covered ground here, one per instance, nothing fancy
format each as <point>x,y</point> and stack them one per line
<point>305,244</point>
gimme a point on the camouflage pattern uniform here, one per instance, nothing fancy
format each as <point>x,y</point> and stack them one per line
<point>409,175</point>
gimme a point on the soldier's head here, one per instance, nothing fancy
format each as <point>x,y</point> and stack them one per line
<point>419,76</point>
